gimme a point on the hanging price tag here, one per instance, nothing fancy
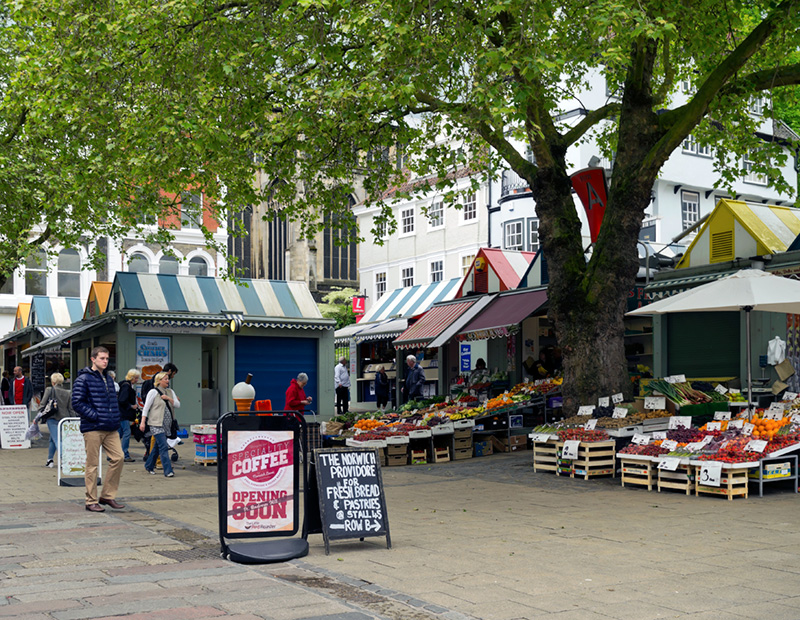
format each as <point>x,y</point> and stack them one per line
<point>658,435</point>
<point>590,425</point>
<point>736,424</point>
<point>570,450</point>
<point>756,445</point>
<point>619,412</point>
<point>678,421</point>
<point>617,398</point>
<point>604,401</point>
<point>747,428</point>
<point>714,426</point>
<point>722,415</point>
<point>655,402</point>
<point>586,410</point>
<point>640,440</point>
<point>669,463</point>
<point>669,444</point>
<point>711,473</point>
<point>679,378</point>
<point>540,437</point>
<point>721,389</point>
<point>789,396</point>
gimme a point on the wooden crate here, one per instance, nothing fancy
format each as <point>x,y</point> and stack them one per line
<point>734,482</point>
<point>419,457</point>
<point>395,460</point>
<point>462,453</point>
<point>681,479</point>
<point>465,442</point>
<point>545,455</point>
<point>637,473</point>
<point>595,459</point>
<point>441,454</point>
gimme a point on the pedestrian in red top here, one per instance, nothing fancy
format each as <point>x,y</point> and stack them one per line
<point>296,398</point>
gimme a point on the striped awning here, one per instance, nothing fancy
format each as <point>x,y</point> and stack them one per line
<point>49,332</point>
<point>55,311</point>
<point>433,323</point>
<point>503,316</point>
<point>411,301</point>
<point>666,287</point>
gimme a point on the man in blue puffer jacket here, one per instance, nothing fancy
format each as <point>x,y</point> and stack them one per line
<point>94,398</point>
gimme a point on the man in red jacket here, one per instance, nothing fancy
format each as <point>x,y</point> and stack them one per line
<point>296,398</point>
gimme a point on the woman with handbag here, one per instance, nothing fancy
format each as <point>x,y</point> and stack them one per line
<point>128,409</point>
<point>56,404</point>
<point>157,417</point>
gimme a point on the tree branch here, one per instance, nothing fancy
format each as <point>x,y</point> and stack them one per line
<point>23,117</point>
<point>590,120</point>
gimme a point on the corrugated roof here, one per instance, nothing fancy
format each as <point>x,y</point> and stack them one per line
<point>433,323</point>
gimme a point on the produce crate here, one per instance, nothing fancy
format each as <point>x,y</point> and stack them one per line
<point>773,471</point>
<point>595,459</point>
<point>681,479</point>
<point>396,449</point>
<point>205,454</point>
<point>395,460</point>
<point>205,439</point>
<point>441,454</point>
<point>732,484</point>
<point>463,432</point>
<point>461,443</point>
<point>419,457</point>
<point>545,455</point>
<point>636,472</point>
<point>462,453</point>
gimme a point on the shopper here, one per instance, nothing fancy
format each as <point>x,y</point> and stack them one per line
<point>61,409</point>
<point>415,379</point>
<point>157,416</point>
<point>296,399</point>
<point>20,389</point>
<point>5,388</point>
<point>128,409</point>
<point>480,374</point>
<point>94,399</point>
<point>172,370</point>
<point>381,388</point>
<point>341,379</point>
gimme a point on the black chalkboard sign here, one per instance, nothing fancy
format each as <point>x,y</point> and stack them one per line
<point>37,373</point>
<point>351,499</point>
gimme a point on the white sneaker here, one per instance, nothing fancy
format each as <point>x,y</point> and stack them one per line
<point>170,475</point>
<point>49,463</point>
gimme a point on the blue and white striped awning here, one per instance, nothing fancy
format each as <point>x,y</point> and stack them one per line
<point>411,301</point>
<point>55,311</point>
<point>49,332</point>
<point>205,299</point>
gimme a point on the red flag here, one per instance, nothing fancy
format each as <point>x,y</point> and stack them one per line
<point>590,185</point>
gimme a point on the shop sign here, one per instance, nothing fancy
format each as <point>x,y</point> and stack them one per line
<point>13,425</point>
<point>586,410</point>
<point>71,448</point>
<point>590,185</point>
<point>590,424</point>
<point>669,444</point>
<point>736,424</point>
<point>640,440</point>
<point>466,357</point>
<point>359,305</point>
<point>789,396</point>
<point>152,354</point>
<point>678,421</point>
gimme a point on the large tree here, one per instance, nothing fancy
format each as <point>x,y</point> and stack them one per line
<point>305,88</point>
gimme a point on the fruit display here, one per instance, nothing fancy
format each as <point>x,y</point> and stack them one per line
<point>650,449</point>
<point>582,434</point>
<point>367,424</point>
<point>678,393</point>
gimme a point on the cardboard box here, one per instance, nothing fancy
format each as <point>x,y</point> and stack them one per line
<point>498,444</point>
<point>517,440</point>
<point>518,447</point>
<point>483,448</point>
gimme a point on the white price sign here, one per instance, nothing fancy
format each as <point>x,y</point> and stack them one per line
<point>679,378</point>
<point>789,396</point>
<point>617,398</point>
<point>570,450</point>
<point>658,435</point>
<point>604,401</point>
<point>736,424</point>
<point>714,426</point>
<point>796,418</point>
<point>695,446</point>
<point>586,410</point>
<point>721,389</point>
<point>540,437</point>
<point>773,414</point>
<point>669,463</point>
<point>747,428</point>
<point>641,440</point>
<point>669,379</point>
<point>678,421</point>
<point>590,424</point>
<point>669,444</point>
<point>756,445</point>
<point>655,402</point>
<point>619,412</point>
<point>722,415</point>
<point>734,391</point>
<point>711,473</point>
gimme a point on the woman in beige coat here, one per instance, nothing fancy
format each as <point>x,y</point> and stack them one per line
<point>63,410</point>
<point>157,415</point>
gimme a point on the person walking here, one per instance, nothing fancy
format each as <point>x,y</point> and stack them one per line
<point>341,379</point>
<point>415,379</point>
<point>5,388</point>
<point>94,399</point>
<point>62,409</point>
<point>128,409</point>
<point>381,388</point>
<point>157,416</point>
<point>20,389</point>
<point>296,399</point>
<point>172,370</point>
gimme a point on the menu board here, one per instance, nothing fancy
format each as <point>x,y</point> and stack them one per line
<point>351,499</point>
<point>13,425</point>
<point>37,373</point>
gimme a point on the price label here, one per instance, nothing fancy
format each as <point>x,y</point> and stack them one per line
<point>694,446</point>
<point>669,444</point>
<point>773,414</point>
<point>721,389</point>
<point>669,463</point>
<point>679,378</point>
<point>678,421</point>
<point>789,396</point>
<point>619,412</point>
<point>617,398</point>
<point>669,379</point>
<point>640,439</point>
<point>756,445</point>
<point>736,424</point>
<point>590,424</point>
<point>734,391</point>
<point>604,401</point>
<point>711,473</point>
<point>658,435</point>
<point>796,418</point>
<point>714,426</point>
<point>747,428</point>
<point>655,402</point>
<point>586,410</point>
<point>705,441</point>
<point>540,437</point>
<point>722,415</point>
<point>570,450</point>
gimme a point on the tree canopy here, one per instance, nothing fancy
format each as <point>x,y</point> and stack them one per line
<point>306,89</point>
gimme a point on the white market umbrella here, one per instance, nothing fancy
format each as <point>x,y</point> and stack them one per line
<point>748,290</point>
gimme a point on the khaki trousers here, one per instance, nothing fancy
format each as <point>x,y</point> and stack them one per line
<point>109,440</point>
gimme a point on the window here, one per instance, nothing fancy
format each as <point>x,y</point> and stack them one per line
<point>198,267</point>
<point>690,145</point>
<point>470,210</point>
<point>690,208</point>
<point>750,175</point>
<point>437,270</point>
<point>340,249</point>
<point>514,237</point>
<point>8,287</point>
<point>380,230</point>
<point>407,277</point>
<point>758,105</point>
<point>69,273</point>
<point>686,87</point>
<point>466,263</point>
<point>138,263</point>
<point>36,273</point>
<point>436,213</point>
<point>533,235</point>
<point>168,264</point>
<point>407,221</point>
<point>380,285</point>
<point>192,210</point>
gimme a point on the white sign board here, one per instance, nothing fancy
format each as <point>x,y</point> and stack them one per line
<point>789,396</point>
<point>619,412</point>
<point>586,410</point>
<point>152,354</point>
<point>655,402</point>
<point>722,415</point>
<point>669,444</point>
<point>658,435</point>
<point>13,425</point>
<point>590,424</point>
<point>736,424</point>
<point>669,463</point>
<point>604,401</point>
<point>540,437</point>
<point>71,448</point>
<point>678,421</point>
<point>617,398</point>
<point>747,428</point>
<point>570,451</point>
<point>714,426</point>
<point>640,439</point>
<point>721,389</point>
<point>711,473</point>
<point>756,445</point>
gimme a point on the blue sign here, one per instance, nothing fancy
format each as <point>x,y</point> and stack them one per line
<point>466,357</point>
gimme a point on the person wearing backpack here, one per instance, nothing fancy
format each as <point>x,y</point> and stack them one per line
<point>128,409</point>
<point>60,408</point>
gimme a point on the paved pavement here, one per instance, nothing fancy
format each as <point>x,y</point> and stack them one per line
<point>485,538</point>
